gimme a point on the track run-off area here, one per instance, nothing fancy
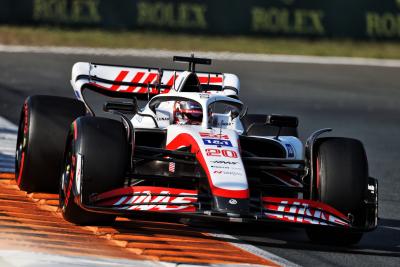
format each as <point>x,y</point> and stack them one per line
<point>356,100</point>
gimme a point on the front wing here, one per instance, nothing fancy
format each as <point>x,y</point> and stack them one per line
<point>186,203</point>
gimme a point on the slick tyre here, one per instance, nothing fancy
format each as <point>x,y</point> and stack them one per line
<point>42,132</point>
<point>341,182</point>
<point>96,160</point>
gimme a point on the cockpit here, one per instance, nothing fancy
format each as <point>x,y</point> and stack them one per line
<point>192,109</point>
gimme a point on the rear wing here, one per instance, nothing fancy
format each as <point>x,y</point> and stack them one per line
<point>142,82</point>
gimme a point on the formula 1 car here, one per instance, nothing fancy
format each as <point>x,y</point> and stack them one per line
<point>192,151</point>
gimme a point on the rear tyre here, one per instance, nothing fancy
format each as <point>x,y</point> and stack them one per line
<point>42,133</point>
<point>341,182</point>
<point>96,161</point>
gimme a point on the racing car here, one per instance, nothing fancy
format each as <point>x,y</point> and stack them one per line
<point>192,151</point>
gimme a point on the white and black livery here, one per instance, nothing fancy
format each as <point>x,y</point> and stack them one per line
<point>192,151</point>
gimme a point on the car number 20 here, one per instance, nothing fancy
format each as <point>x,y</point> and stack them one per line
<point>214,152</point>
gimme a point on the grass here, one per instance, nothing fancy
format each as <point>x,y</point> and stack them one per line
<point>127,39</point>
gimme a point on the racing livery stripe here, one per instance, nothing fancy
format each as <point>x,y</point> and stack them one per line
<point>171,80</point>
<point>75,130</point>
<point>205,80</point>
<point>150,78</point>
<point>21,168</point>
<point>121,76</point>
<point>135,79</point>
<point>184,139</point>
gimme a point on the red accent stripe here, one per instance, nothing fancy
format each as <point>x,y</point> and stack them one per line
<point>230,193</point>
<point>212,79</point>
<point>71,179</point>
<point>284,176</point>
<point>150,78</point>
<point>135,79</point>
<point>121,76</point>
<point>171,81</point>
<point>21,168</point>
<point>75,131</point>
<point>187,140</point>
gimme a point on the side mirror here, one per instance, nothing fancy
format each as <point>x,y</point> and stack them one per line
<point>123,107</point>
<point>243,112</point>
<point>279,121</point>
<point>220,120</point>
<point>282,121</point>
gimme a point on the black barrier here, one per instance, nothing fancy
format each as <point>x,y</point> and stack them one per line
<point>356,19</point>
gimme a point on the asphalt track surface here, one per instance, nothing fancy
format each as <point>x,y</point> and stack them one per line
<point>357,101</point>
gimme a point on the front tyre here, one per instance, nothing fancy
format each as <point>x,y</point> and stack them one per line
<point>341,182</point>
<point>96,159</point>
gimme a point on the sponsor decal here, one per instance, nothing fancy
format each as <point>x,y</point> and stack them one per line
<point>204,96</point>
<point>288,20</point>
<point>163,118</point>
<point>224,162</point>
<point>212,135</point>
<point>297,212</point>
<point>226,167</point>
<point>228,173</point>
<point>220,167</point>
<point>232,201</point>
<point>157,202</point>
<point>290,150</point>
<point>171,167</point>
<point>72,11</point>
<point>380,24</point>
<point>217,142</point>
<point>174,15</point>
<point>221,123</point>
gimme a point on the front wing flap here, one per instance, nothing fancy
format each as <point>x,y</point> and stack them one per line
<point>185,203</point>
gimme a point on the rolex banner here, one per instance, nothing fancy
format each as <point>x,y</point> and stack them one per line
<point>355,19</point>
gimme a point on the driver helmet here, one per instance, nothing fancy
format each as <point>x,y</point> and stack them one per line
<point>188,112</point>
